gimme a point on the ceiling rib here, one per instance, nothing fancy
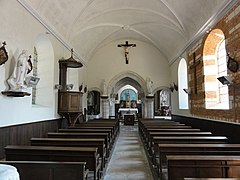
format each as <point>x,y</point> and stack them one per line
<point>34,13</point>
<point>78,17</point>
<point>174,13</point>
<point>219,14</point>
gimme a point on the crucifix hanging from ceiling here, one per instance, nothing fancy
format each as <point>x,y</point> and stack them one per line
<point>126,47</point>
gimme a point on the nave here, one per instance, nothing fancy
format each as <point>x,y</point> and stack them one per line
<point>128,161</point>
<point>104,149</point>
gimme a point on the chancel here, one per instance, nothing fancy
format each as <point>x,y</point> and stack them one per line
<point>114,110</point>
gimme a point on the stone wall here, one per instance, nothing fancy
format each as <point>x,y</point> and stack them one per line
<point>230,26</point>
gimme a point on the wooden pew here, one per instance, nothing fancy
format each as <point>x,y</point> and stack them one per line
<point>203,166</point>
<point>142,122</point>
<point>194,149</point>
<point>189,139</point>
<point>43,170</point>
<point>111,129</point>
<point>146,135</point>
<point>154,149</point>
<point>73,135</point>
<point>150,136</point>
<point>100,123</point>
<point>149,140</point>
<point>106,121</point>
<point>211,178</point>
<point>66,142</point>
<point>90,130</point>
<point>173,129</point>
<point>196,133</point>
<point>63,154</point>
<point>143,128</point>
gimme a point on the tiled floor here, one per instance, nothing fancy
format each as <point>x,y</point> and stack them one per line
<point>128,161</point>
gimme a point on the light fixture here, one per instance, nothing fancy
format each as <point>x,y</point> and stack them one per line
<point>31,81</point>
<point>225,80</point>
<point>58,86</point>
<point>85,89</point>
<point>80,87</point>
<point>173,87</point>
<point>188,91</point>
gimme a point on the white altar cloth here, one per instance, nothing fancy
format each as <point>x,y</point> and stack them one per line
<point>8,172</point>
<point>128,110</point>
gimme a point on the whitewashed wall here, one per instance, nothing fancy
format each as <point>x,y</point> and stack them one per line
<point>174,99</point>
<point>20,30</point>
<point>145,60</point>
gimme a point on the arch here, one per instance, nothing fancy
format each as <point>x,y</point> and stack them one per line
<point>45,66</point>
<point>93,102</point>
<point>159,106</point>
<point>216,94</point>
<point>133,80</point>
<point>183,84</point>
<point>127,78</point>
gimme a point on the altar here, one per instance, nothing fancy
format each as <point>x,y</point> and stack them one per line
<point>124,111</point>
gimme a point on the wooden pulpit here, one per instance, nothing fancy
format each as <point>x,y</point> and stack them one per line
<point>69,102</point>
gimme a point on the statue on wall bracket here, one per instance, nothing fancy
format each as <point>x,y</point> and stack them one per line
<point>3,53</point>
<point>18,80</point>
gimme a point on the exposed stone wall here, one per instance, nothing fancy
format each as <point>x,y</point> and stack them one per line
<point>230,26</point>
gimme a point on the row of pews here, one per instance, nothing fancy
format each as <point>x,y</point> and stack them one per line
<point>177,151</point>
<point>76,153</point>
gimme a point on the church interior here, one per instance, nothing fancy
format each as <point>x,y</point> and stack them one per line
<point>141,90</point>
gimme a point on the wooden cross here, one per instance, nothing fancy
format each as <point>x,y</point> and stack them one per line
<point>195,64</point>
<point>126,46</point>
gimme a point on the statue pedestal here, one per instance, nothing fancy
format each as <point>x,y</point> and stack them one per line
<point>15,93</point>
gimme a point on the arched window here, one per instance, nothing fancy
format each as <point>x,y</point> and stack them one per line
<point>215,65</point>
<point>183,84</point>
<point>44,56</point>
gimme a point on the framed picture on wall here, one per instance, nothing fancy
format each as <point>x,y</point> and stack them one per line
<point>232,64</point>
<point>3,54</point>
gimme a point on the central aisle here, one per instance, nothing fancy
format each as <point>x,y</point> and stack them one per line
<point>128,161</point>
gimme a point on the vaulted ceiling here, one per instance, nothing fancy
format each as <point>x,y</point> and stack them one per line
<point>168,25</point>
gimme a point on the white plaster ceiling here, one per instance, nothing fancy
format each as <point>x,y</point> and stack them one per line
<point>168,25</point>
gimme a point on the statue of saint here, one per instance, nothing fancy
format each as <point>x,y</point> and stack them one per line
<point>104,85</point>
<point>149,86</point>
<point>22,68</point>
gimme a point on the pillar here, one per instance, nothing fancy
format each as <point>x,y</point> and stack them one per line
<point>105,107</point>
<point>149,105</point>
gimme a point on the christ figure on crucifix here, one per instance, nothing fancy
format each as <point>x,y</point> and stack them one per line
<point>126,47</point>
